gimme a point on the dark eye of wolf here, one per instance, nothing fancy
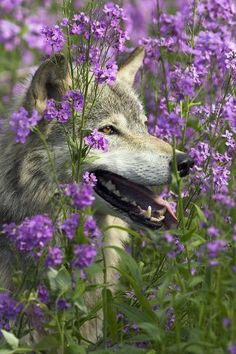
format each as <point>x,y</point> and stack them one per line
<point>108,130</point>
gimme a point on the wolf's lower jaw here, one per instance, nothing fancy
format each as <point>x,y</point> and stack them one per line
<point>139,203</point>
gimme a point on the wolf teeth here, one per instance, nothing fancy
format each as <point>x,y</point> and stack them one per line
<point>134,203</point>
<point>160,218</point>
<point>110,186</point>
<point>148,212</point>
<point>162,211</point>
<point>116,192</point>
<point>125,199</point>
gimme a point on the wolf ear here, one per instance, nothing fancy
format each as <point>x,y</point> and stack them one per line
<point>130,67</point>
<point>51,80</point>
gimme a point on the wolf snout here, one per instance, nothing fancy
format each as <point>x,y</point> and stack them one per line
<point>184,163</point>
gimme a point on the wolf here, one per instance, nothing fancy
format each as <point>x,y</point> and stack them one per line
<point>134,162</point>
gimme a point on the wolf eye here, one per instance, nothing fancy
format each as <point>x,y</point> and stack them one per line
<point>108,130</point>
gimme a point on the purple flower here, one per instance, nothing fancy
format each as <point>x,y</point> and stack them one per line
<point>77,99</point>
<point>70,225</point>
<point>90,179</point>
<point>169,238</point>
<point>82,196</point>
<point>10,230</point>
<point>80,25</point>
<point>21,123</point>
<point>213,231</point>
<point>215,247</point>
<point>114,17</point>
<point>96,140</point>
<point>9,310</point>
<point>9,34</point>
<point>59,111</point>
<point>177,249</point>
<point>62,111</point>
<point>54,38</point>
<point>170,315</point>
<point>200,153</point>
<point>98,29</point>
<point>90,227</point>
<point>84,256</point>
<point>62,304</point>
<point>36,316</point>
<point>54,258</point>
<point>184,82</point>
<point>168,124</point>
<point>32,234</point>
<point>226,322</point>
<point>232,349</point>
<point>9,5</point>
<point>107,74</point>
<point>43,294</point>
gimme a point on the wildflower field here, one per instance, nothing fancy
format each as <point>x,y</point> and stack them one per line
<point>173,290</point>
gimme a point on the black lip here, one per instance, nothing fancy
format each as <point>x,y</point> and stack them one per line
<point>132,211</point>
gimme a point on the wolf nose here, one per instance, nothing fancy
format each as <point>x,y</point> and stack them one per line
<point>184,163</point>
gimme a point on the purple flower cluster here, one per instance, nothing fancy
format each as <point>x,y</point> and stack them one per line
<point>62,111</point>
<point>43,294</point>
<point>105,74</point>
<point>96,140</point>
<point>70,225</point>
<point>54,39</point>
<point>169,124</point>
<point>32,235</point>
<point>21,123</point>
<point>114,16</point>
<point>9,5</point>
<point>9,310</point>
<point>90,179</point>
<point>84,255</point>
<point>90,228</point>
<point>176,246</point>
<point>54,258</point>
<point>81,196</point>
<point>184,82</point>
<point>215,247</point>
<point>9,34</point>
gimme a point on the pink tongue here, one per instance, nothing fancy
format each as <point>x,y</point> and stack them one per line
<point>159,200</point>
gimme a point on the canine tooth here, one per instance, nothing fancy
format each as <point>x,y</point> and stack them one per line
<point>117,192</point>
<point>162,211</point>
<point>134,203</point>
<point>110,186</point>
<point>125,199</point>
<point>148,212</point>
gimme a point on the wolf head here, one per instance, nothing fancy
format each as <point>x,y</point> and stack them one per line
<point>134,161</point>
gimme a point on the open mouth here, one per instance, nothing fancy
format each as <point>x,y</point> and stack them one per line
<point>142,205</point>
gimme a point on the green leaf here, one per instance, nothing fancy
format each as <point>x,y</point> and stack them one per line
<point>188,235</point>
<point>200,213</point>
<point>79,290</point>
<point>111,315</point>
<point>133,313</point>
<point>48,342</point>
<point>127,263</point>
<point>6,351</point>
<point>195,281</point>
<point>59,280</point>
<point>74,348</point>
<point>152,330</point>
<point>11,339</point>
